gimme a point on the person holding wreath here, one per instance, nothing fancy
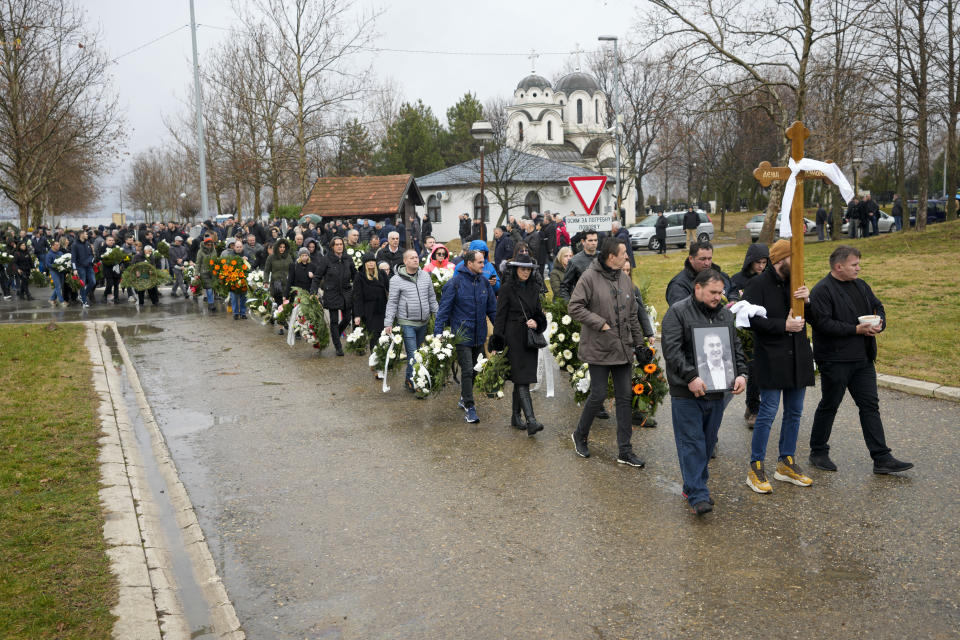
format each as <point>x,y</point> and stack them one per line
<point>334,277</point>
<point>518,314</point>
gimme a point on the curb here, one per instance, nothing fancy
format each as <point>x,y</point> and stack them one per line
<point>918,387</point>
<point>161,597</point>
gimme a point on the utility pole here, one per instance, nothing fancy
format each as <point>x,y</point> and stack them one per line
<point>201,147</point>
<point>616,119</point>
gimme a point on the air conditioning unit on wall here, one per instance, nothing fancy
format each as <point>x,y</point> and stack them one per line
<point>565,192</point>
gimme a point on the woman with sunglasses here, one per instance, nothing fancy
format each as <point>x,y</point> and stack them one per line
<point>439,259</point>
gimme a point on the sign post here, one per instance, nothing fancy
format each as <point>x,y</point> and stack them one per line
<point>765,175</point>
<point>588,190</point>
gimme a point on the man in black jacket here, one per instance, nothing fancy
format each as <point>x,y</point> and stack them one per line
<point>700,259</point>
<point>782,365</point>
<point>579,263</point>
<point>690,223</point>
<point>845,349</point>
<point>897,211</point>
<point>697,412</point>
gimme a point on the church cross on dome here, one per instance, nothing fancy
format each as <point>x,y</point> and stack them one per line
<point>533,61</point>
<point>577,51</point>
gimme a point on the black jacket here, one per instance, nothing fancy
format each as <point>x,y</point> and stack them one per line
<point>575,268</point>
<point>335,277</point>
<point>781,360</point>
<point>661,226</point>
<point>393,258</point>
<point>678,345</point>
<point>740,280</point>
<point>691,220</point>
<point>834,309</point>
<point>299,276</point>
<point>370,300</point>
<point>465,228</point>
<point>681,285</point>
<point>510,330</point>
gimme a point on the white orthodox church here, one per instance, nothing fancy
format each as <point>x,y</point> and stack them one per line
<point>566,123</point>
<point>565,127</point>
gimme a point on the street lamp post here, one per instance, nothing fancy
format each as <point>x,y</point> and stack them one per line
<point>482,131</point>
<point>616,115</point>
<point>149,211</point>
<point>856,176</point>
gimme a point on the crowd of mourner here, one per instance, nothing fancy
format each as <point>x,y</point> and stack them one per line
<point>531,305</point>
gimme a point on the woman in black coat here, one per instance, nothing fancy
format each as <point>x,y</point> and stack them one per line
<point>335,277</point>
<point>518,308</point>
<point>301,273</point>
<point>370,288</point>
<point>22,266</point>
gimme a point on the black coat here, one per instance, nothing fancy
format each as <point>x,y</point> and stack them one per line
<point>335,278</point>
<point>740,280</point>
<point>781,360</point>
<point>661,227</point>
<point>681,285</point>
<point>299,276</point>
<point>691,220</point>
<point>510,330</point>
<point>834,311</point>
<point>370,300</point>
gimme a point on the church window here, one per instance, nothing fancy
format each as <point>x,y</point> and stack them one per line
<point>479,211</point>
<point>549,130</point>
<point>579,111</point>
<point>520,131</point>
<point>433,209</point>
<point>531,203</point>
<point>596,111</point>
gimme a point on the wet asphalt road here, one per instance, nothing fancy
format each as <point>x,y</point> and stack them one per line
<point>337,511</point>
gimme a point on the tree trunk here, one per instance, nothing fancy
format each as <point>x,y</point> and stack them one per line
<point>773,208</point>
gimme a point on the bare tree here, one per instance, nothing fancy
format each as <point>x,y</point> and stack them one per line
<point>56,102</point>
<point>948,64</point>
<point>917,63</point>
<point>316,43</point>
<point>770,42</point>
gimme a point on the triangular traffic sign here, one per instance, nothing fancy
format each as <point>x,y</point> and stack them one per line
<point>588,189</point>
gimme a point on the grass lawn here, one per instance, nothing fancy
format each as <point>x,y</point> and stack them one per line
<point>908,272</point>
<point>55,579</point>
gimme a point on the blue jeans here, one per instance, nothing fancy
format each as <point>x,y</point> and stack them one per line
<point>57,285</point>
<point>789,428</point>
<point>898,222</point>
<point>413,337</point>
<point>89,281</point>
<point>695,425</point>
<point>209,294</point>
<point>238,302</point>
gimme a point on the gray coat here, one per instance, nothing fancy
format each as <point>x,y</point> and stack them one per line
<point>604,296</point>
<point>411,298</point>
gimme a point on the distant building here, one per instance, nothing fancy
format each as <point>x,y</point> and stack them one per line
<point>368,197</point>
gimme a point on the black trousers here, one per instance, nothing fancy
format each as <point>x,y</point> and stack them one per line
<point>662,242</point>
<point>111,282</point>
<point>753,390</point>
<point>599,374</point>
<point>467,357</point>
<point>339,320</point>
<point>152,292</point>
<point>860,378</point>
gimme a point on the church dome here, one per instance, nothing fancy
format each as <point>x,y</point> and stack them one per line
<point>578,81</point>
<point>534,81</point>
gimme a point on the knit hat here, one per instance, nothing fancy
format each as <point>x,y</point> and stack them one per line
<point>368,257</point>
<point>303,252</point>
<point>522,260</point>
<point>779,250</point>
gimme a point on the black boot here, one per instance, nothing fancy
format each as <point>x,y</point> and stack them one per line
<point>526,403</point>
<point>516,418</point>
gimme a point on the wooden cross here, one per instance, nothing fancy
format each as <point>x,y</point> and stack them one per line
<point>766,174</point>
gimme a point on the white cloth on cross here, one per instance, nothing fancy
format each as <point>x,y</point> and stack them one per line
<point>744,311</point>
<point>832,171</point>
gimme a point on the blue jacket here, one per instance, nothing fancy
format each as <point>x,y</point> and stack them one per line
<point>82,254</point>
<point>50,257</point>
<point>465,304</point>
<point>488,270</point>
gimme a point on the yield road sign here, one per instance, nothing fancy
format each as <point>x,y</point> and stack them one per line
<point>588,189</point>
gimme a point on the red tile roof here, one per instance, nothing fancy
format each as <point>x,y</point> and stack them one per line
<point>360,196</point>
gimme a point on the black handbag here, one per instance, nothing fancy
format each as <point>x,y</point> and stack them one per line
<point>535,339</point>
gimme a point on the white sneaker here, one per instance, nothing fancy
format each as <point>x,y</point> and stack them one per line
<point>86,305</point>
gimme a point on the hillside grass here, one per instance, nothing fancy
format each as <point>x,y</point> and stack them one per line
<point>909,272</point>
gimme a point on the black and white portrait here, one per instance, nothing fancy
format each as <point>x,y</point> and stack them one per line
<point>714,357</point>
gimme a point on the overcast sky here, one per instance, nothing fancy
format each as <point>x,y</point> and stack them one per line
<point>153,80</point>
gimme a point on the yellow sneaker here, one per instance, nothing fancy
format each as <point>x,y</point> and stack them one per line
<point>790,471</point>
<point>757,479</point>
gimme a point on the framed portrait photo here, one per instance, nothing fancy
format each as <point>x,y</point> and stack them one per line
<point>713,354</point>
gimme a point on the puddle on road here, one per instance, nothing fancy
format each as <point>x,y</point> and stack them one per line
<point>195,609</point>
<point>135,331</point>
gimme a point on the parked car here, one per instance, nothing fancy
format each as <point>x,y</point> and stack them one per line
<point>885,224</point>
<point>644,234</point>
<point>936,211</point>
<point>756,223</point>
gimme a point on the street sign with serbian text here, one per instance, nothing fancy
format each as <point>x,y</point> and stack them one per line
<point>595,222</point>
<point>588,189</point>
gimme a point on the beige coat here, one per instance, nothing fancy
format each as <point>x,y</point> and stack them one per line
<point>606,297</point>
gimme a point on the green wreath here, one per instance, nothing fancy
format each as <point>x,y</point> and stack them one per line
<point>142,276</point>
